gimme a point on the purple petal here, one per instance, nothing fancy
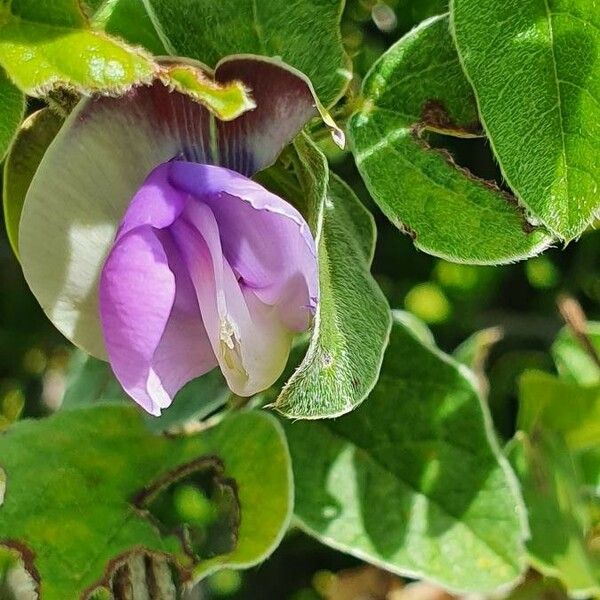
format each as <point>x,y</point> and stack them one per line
<point>265,240</point>
<point>154,338</point>
<point>157,203</point>
<point>249,341</point>
<point>184,352</point>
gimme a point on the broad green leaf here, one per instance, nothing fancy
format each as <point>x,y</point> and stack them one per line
<point>79,484</point>
<point>26,152</point>
<point>575,362</point>
<point>43,46</point>
<point>129,20</point>
<point>12,107</point>
<point>415,87</point>
<point>91,381</point>
<point>567,408</point>
<point>557,516</point>
<point>535,69</point>
<point>304,33</point>
<point>352,323</point>
<point>413,479</point>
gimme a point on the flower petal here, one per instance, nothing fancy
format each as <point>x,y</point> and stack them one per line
<point>184,351</point>
<point>285,101</point>
<point>266,241</point>
<point>249,341</point>
<point>157,203</point>
<point>102,155</point>
<point>155,341</point>
<point>134,320</point>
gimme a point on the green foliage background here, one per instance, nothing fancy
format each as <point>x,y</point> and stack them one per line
<point>455,300</point>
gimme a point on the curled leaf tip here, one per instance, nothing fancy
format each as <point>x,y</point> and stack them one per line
<point>337,133</point>
<point>227,101</point>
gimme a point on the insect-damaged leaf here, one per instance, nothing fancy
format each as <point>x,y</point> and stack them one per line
<point>79,485</point>
<point>415,87</point>
<point>535,70</point>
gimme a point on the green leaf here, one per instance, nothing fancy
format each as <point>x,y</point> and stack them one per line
<point>589,464</point>
<point>474,351</point>
<point>572,410</point>
<point>89,381</point>
<point>26,152</point>
<point>575,362</point>
<point>43,46</point>
<point>12,107</point>
<point>304,33</point>
<point>129,20</point>
<point>418,86</point>
<point>413,479</point>
<point>352,323</point>
<point>79,483</point>
<point>557,516</point>
<point>57,46</point>
<point>534,67</point>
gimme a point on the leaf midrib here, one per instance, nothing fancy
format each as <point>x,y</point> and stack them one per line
<point>559,97</point>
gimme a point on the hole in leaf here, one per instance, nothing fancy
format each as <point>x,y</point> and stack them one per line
<point>138,574</point>
<point>18,578</point>
<point>473,154</point>
<point>199,505</point>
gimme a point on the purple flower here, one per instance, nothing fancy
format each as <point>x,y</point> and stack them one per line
<point>147,245</point>
<point>208,268</point>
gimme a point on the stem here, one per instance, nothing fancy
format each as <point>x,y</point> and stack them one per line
<point>576,320</point>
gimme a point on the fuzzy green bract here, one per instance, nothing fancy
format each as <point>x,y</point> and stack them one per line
<point>353,319</point>
<point>72,480</point>
<point>413,479</point>
<point>418,87</point>
<point>535,70</point>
